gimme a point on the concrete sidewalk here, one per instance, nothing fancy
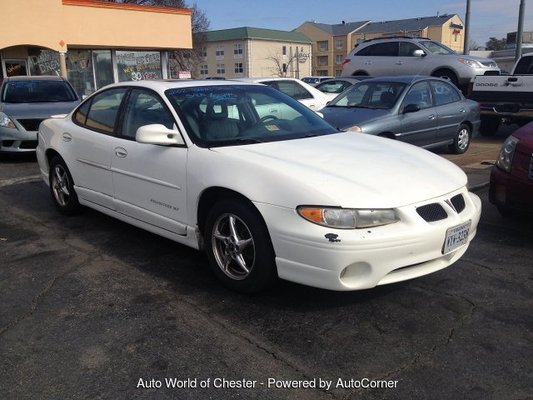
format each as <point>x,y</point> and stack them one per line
<point>478,176</point>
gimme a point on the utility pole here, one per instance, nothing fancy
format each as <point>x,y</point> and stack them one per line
<point>520,30</point>
<point>466,45</point>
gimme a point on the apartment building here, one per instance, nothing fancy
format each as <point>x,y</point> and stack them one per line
<point>255,52</point>
<point>331,43</point>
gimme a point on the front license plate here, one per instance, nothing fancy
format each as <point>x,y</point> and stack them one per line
<point>456,236</point>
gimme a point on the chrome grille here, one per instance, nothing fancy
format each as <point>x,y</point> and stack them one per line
<point>432,212</point>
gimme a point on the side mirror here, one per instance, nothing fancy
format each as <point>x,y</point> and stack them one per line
<point>158,134</point>
<point>419,53</point>
<point>411,108</point>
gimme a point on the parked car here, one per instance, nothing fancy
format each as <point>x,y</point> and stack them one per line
<point>415,56</point>
<point>424,111</point>
<point>25,101</point>
<point>332,87</point>
<point>265,197</point>
<point>314,80</point>
<point>511,179</point>
<point>295,88</point>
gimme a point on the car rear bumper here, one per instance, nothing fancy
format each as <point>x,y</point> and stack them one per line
<point>365,258</point>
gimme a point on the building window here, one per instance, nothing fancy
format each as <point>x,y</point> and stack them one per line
<point>237,50</point>
<point>338,72</point>
<point>339,58</point>
<point>43,61</point>
<point>204,70</point>
<point>220,52</point>
<point>239,68</point>
<point>103,68</point>
<point>204,52</point>
<point>323,46</point>
<point>80,71</point>
<point>322,60</point>
<point>322,72</point>
<point>138,65</point>
<point>221,69</point>
<point>339,44</point>
<point>284,50</point>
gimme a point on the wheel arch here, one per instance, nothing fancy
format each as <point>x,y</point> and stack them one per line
<point>360,72</point>
<point>214,194</point>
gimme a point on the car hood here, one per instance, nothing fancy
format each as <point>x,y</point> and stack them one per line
<point>37,110</point>
<point>346,117</point>
<point>345,169</point>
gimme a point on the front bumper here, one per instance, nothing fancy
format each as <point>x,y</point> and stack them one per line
<point>16,141</point>
<point>365,258</point>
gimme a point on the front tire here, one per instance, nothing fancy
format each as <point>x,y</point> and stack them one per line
<point>62,187</point>
<point>462,139</point>
<point>239,248</point>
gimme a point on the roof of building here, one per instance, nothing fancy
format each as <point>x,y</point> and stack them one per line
<point>401,25</point>
<point>246,32</point>
<point>339,29</point>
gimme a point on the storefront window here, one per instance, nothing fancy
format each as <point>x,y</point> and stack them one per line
<point>103,68</point>
<point>80,71</point>
<point>43,62</point>
<point>138,65</point>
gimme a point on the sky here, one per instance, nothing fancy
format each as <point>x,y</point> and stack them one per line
<point>488,18</point>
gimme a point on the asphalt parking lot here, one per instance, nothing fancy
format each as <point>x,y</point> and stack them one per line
<point>92,308</point>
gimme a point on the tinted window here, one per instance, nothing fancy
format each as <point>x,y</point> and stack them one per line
<point>382,95</point>
<point>524,66</point>
<point>333,86</point>
<point>144,108</point>
<point>102,112</point>
<point>407,49</point>
<point>388,49</point>
<point>445,93</point>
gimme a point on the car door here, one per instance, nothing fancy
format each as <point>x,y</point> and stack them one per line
<point>409,64</point>
<point>149,180</point>
<point>379,59</point>
<point>419,127</point>
<point>450,108</point>
<point>90,143</point>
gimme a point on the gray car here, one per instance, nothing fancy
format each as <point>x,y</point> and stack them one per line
<point>424,111</point>
<point>25,101</point>
<point>415,56</point>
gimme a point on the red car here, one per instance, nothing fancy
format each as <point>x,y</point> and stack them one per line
<point>511,179</point>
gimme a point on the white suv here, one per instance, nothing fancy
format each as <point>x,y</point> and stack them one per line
<point>415,56</point>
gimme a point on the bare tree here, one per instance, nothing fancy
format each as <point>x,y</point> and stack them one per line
<point>283,64</point>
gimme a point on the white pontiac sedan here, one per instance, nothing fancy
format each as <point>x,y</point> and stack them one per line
<point>206,165</point>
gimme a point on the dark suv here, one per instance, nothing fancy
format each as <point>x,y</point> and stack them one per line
<point>415,56</point>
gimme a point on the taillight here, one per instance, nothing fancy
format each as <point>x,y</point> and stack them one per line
<point>346,61</point>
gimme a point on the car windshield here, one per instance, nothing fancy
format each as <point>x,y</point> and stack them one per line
<point>378,95</point>
<point>37,91</point>
<point>436,48</point>
<point>243,114</point>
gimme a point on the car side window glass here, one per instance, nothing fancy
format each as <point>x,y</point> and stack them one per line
<point>80,116</point>
<point>445,93</point>
<point>407,49</point>
<point>294,90</point>
<point>387,49</point>
<point>144,108</point>
<point>524,66</point>
<point>103,111</point>
<point>419,94</point>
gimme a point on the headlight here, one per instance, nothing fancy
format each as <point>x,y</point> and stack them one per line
<point>356,129</point>
<point>347,218</point>
<point>471,63</point>
<point>505,159</point>
<point>5,121</point>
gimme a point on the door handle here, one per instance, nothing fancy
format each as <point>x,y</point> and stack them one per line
<point>368,62</point>
<point>432,116</point>
<point>399,62</point>
<point>121,152</point>
<point>67,137</point>
<point>462,110</point>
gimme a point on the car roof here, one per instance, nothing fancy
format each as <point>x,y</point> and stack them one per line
<point>267,78</point>
<point>401,78</point>
<point>164,84</point>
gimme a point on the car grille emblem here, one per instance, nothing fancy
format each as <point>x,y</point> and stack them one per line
<point>448,201</point>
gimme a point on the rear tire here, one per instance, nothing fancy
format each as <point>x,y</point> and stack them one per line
<point>448,75</point>
<point>462,139</point>
<point>239,248</point>
<point>62,187</point>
